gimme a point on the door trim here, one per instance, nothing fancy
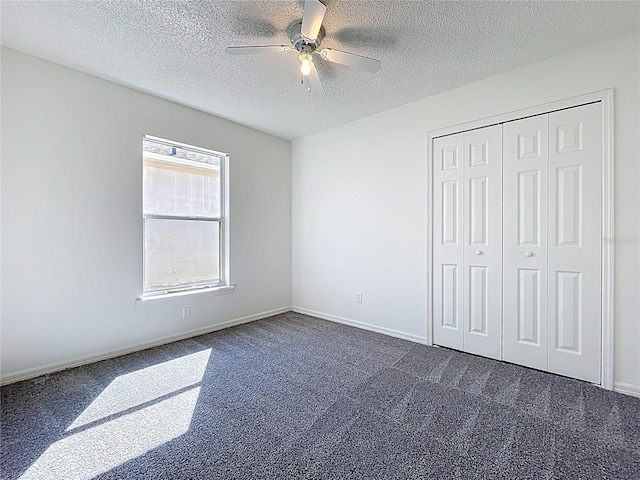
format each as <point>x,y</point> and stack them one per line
<point>607,244</point>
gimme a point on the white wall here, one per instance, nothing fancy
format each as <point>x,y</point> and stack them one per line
<point>359,192</point>
<point>71,216</point>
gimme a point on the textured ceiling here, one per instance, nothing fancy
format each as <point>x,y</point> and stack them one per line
<point>176,49</point>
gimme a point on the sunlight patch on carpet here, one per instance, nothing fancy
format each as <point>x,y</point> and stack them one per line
<point>145,385</point>
<point>149,408</point>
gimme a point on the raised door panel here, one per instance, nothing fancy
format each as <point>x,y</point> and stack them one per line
<point>449,229</point>
<point>575,205</point>
<point>569,205</point>
<point>525,168</point>
<point>448,156</point>
<point>449,313</point>
<point>529,319</point>
<point>478,300</point>
<point>569,316</point>
<point>482,239</point>
<point>478,214</point>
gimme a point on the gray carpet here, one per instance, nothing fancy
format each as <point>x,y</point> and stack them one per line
<point>297,397</point>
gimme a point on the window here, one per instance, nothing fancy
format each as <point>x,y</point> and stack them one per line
<point>184,217</point>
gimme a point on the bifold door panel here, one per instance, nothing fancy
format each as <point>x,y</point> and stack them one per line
<point>448,265</point>
<point>467,245</point>
<point>516,241</point>
<point>524,216</point>
<point>482,241</point>
<point>575,193</point>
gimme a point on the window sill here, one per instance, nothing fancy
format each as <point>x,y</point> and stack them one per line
<point>205,292</point>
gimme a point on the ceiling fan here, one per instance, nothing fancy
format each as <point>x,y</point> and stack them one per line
<point>305,36</point>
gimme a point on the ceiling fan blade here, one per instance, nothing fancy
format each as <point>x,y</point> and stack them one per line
<point>315,83</point>
<point>252,50</point>
<point>312,18</point>
<point>351,60</point>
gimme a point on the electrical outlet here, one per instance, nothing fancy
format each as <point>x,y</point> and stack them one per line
<point>186,312</point>
<point>359,297</point>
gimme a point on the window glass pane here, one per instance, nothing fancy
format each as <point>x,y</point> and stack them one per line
<point>180,253</point>
<point>174,189</point>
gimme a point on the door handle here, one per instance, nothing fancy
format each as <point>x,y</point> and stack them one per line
<point>528,254</point>
<point>478,252</point>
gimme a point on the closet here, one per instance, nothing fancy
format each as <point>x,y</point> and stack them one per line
<point>516,241</point>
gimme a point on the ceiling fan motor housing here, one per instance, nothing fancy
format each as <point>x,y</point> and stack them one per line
<point>299,41</point>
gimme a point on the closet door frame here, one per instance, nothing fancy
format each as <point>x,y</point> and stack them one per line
<point>605,97</point>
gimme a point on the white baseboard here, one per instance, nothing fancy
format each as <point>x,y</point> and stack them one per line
<point>620,387</point>
<point>365,326</point>
<point>78,361</point>
<point>627,389</point>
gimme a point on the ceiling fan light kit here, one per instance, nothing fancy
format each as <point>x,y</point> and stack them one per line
<point>306,62</point>
<point>305,36</point>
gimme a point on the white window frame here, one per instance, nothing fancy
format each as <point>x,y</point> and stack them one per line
<point>223,285</point>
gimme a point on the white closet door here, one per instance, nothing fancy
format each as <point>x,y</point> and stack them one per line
<point>574,310</point>
<point>482,232</point>
<point>525,167</point>
<point>447,272</point>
